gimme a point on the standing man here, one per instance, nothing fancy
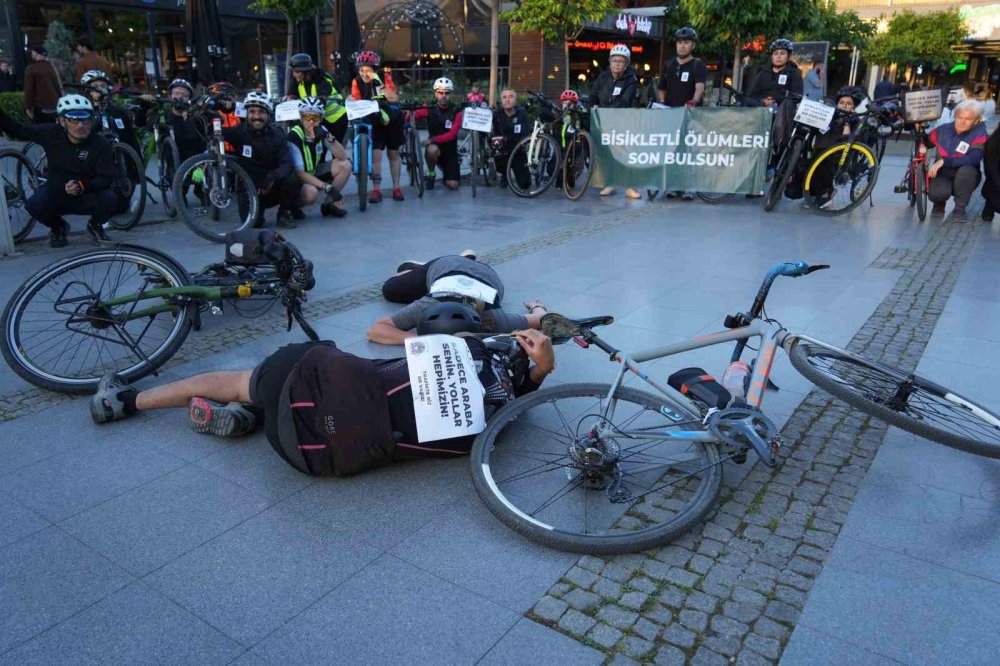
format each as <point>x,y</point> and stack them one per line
<point>682,82</point>
<point>89,60</point>
<point>41,85</point>
<point>616,88</point>
<point>814,83</point>
<point>510,125</point>
<point>781,78</point>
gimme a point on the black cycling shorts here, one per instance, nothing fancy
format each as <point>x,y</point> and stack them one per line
<point>267,381</point>
<point>448,162</point>
<point>388,136</point>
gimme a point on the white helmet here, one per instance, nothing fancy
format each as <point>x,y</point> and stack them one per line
<point>621,50</point>
<point>70,104</point>
<point>255,98</point>
<point>444,83</point>
<point>94,75</point>
<point>310,105</point>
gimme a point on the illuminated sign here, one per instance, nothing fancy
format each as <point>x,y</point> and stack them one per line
<point>632,24</point>
<point>599,46</point>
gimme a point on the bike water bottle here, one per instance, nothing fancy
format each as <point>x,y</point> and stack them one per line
<point>735,379</point>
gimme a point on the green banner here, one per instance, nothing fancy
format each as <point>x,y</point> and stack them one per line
<point>682,149</point>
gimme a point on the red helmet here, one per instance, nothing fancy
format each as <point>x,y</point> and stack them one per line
<point>367,58</point>
<point>569,96</point>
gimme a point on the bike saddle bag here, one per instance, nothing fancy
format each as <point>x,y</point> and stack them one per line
<point>701,387</point>
<point>252,247</point>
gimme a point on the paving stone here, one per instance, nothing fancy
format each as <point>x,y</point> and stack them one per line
<point>672,596</point>
<point>616,572</point>
<point>727,645</point>
<point>643,584</point>
<point>622,660</point>
<point>646,628</point>
<point>750,658</point>
<point>700,564</point>
<point>805,567</point>
<point>668,655</point>
<point>790,595</point>
<point>659,614</point>
<point>812,552</point>
<point>581,577</point>
<point>771,629</point>
<point>617,616</point>
<point>655,569</point>
<point>582,600</point>
<point>550,608</point>
<point>819,539</point>
<point>576,622</point>
<point>710,548</point>
<point>560,589</point>
<point>605,636</point>
<point>638,647</point>
<point>744,596</point>
<point>633,600</point>
<point>705,657</point>
<point>678,635</point>
<point>591,563</point>
<point>728,626</point>
<point>694,620</point>
<point>796,580</point>
<point>766,647</point>
<point>681,577</point>
<point>607,588</point>
<point>742,612</point>
<point>701,601</point>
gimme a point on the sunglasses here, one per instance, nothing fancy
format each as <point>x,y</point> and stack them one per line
<point>78,120</point>
<point>441,92</point>
<point>312,117</point>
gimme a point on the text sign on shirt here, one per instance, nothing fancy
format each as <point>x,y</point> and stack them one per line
<point>962,148</point>
<point>359,108</point>
<point>477,120</point>
<point>814,114</point>
<point>922,105</point>
<point>287,111</point>
<point>241,111</point>
<point>447,395</point>
<point>463,285</point>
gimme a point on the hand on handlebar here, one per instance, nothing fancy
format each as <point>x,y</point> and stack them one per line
<point>538,347</point>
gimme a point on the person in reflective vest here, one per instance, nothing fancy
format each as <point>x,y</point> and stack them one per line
<point>311,81</point>
<point>309,142</point>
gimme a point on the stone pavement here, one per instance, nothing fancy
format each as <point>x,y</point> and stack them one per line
<point>142,541</point>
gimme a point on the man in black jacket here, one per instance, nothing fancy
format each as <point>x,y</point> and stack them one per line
<point>510,124</point>
<point>81,169</point>
<point>262,151</point>
<point>781,78</point>
<point>616,88</point>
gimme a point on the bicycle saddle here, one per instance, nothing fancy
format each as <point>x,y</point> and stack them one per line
<point>561,329</point>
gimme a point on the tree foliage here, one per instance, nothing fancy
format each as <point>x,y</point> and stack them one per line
<point>59,42</point>
<point>293,10</point>
<point>913,39</point>
<point>557,20</point>
<point>739,21</point>
<point>840,28</point>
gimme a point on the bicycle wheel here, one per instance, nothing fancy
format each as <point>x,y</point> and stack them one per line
<point>576,166</point>
<point>920,190</point>
<point>168,158</point>
<point>782,174</point>
<point>416,163</point>
<point>715,197</point>
<point>902,399</point>
<point>489,167</point>
<point>853,171</point>
<point>538,470</point>
<point>227,196</point>
<point>540,167</point>
<point>59,336</point>
<point>474,162</point>
<point>19,183</point>
<point>130,183</point>
<point>362,174</point>
<point>37,158</point>
<point>909,179</point>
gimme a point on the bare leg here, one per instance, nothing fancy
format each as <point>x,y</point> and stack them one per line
<point>431,153</point>
<point>224,387</point>
<point>394,166</point>
<point>376,166</point>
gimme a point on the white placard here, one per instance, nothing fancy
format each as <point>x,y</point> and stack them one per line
<point>463,285</point>
<point>920,106</point>
<point>287,111</point>
<point>477,119</point>
<point>359,108</point>
<point>241,111</point>
<point>814,114</point>
<point>447,395</point>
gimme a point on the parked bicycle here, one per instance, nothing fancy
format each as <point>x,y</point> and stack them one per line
<point>411,152</point>
<point>538,154</point>
<point>19,180</point>
<point>358,111</point>
<point>604,468</point>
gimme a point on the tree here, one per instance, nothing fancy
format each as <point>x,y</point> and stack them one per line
<point>293,11</point>
<point>840,28</point>
<point>557,20</point>
<point>913,39</point>
<point>59,43</point>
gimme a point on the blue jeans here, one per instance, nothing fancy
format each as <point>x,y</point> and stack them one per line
<point>49,203</point>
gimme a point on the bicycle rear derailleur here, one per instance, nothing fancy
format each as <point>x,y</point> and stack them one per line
<point>744,428</point>
<point>596,459</point>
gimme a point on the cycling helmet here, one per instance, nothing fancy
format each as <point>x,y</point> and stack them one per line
<point>621,50</point>
<point>301,62</point>
<point>444,83</point>
<point>368,59</point>
<point>221,88</point>
<point>854,92</point>
<point>258,99</point>
<point>75,106</point>
<point>94,75</point>
<point>780,44</point>
<point>310,105</point>
<point>687,32</point>
<point>181,83</point>
<point>449,318</point>
<point>569,96</point>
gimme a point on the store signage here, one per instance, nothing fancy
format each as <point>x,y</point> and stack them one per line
<point>632,24</point>
<point>600,46</point>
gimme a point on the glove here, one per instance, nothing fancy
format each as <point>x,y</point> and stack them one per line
<point>497,142</point>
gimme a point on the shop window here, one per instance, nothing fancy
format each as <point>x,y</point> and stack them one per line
<point>123,39</point>
<point>36,16</point>
<point>170,38</point>
<point>243,64</point>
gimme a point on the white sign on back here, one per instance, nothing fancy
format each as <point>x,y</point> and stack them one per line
<point>921,106</point>
<point>814,114</point>
<point>447,395</point>
<point>463,285</point>
<point>287,111</point>
<point>477,119</point>
<point>359,108</point>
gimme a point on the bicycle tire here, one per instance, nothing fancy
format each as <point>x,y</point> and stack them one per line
<point>474,162</point>
<point>920,190</point>
<point>235,175</point>
<point>784,171</point>
<point>37,158</point>
<point>851,167</point>
<point>19,184</point>
<point>418,162</point>
<point>488,164</point>
<point>15,343</point>
<point>715,198</point>
<point>484,467</point>
<point>362,175</point>
<point>834,383</point>
<point>129,165</point>
<point>910,179</point>
<point>579,151</point>
<point>167,161</point>
<point>542,173</point>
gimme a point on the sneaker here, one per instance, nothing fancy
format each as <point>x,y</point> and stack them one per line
<point>937,210</point>
<point>468,254</point>
<point>672,195</point>
<point>105,406</point>
<point>429,182</point>
<point>607,191</point>
<point>329,209</point>
<point>959,214</point>
<point>397,194</point>
<point>57,236</point>
<point>409,265</point>
<point>285,220</point>
<point>297,213</point>
<point>688,196</point>
<point>633,193</point>
<point>97,232</point>
<point>987,215</point>
<point>375,196</point>
<point>212,418</point>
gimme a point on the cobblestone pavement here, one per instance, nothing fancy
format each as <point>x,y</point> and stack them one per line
<point>204,343</point>
<point>732,590</point>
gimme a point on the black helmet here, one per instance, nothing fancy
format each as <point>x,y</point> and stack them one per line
<point>301,62</point>
<point>687,32</point>
<point>854,92</point>
<point>780,44</point>
<point>449,318</point>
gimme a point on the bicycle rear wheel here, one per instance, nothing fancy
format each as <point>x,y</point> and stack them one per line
<point>538,470</point>
<point>19,181</point>
<point>920,190</point>
<point>852,170</point>
<point>37,158</point>
<point>902,399</point>
<point>58,335</point>
<point>130,177</point>
<point>226,196</point>
<point>783,174</point>
<point>168,159</point>
<point>541,165</point>
<point>577,166</point>
<point>416,163</point>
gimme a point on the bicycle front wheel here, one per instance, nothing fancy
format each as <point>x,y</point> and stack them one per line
<point>851,169</point>
<point>539,161</point>
<point>167,162</point>
<point>784,172</point>
<point>540,472</point>
<point>576,166</point>
<point>130,183</point>
<point>920,190</point>
<point>363,167</point>
<point>19,181</point>
<point>902,399</point>
<point>60,334</point>
<point>225,196</point>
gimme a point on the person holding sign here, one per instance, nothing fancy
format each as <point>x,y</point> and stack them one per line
<point>821,186</point>
<point>330,413</point>
<point>960,148</point>
<point>783,76</point>
<point>444,120</point>
<point>309,142</point>
<point>510,125</point>
<point>616,88</point>
<point>387,132</point>
<point>682,82</point>
<point>311,81</point>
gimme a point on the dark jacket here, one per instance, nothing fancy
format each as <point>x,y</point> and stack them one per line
<point>958,150</point>
<point>120,121</point>
<point>603,92</point>
<point>511,128</point>
<point>770,83</point>
<point>8,82</point>
<point>263,155</point>
<point>41,86</point>
<point>89,162</point>
<point>189,141</point>
<point>885,88</point>
<point>991,167</point>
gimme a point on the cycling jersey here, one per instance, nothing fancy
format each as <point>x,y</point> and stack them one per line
<point>312,152</point>
<point>229,119</point>
<point>958,150</point>
<point>362,90</point>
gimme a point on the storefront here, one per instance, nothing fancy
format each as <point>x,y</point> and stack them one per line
<point>588,53</point>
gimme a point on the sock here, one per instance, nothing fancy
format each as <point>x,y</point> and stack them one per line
<point>430,172</point>
<point>128,397</point>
